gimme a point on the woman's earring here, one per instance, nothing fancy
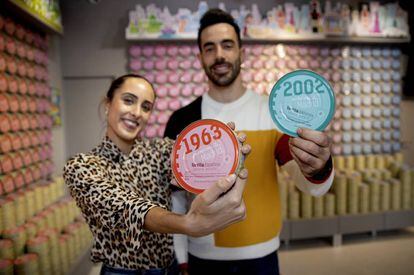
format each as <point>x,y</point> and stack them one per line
<point>106,112</point>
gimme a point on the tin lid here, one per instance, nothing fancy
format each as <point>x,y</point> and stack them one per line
<point>301,98</point>
<point>204,152</point>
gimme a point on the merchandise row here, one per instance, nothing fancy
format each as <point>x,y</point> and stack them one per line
<point>14,122</point>
<point>10,162</point>
<point>19,49</point>
<point>25,177</point>
<point>18,67</point>
<point>15,84</point>
<point>381,147</point>
<point>24,140</point>
<point>357,124</point>
<point>375,187</point>
<point>23,103</point>
<point>366,112</point>
<point>279,51</point>
<point>14,29</point>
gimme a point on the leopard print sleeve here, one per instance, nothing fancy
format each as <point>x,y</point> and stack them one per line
<point>103,202</point>
<point>165,146</point>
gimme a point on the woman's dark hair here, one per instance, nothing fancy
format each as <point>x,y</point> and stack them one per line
<point>216,16</point>
<point>118,83</point>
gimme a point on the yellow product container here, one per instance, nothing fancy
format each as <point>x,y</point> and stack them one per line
<point>340,189</point>
<point>30,202</point>
<point>339,163</point>
<point>63,253</point>
<point>306,206</point>
<point>370,162</point>
<point>39,202</point>
<point>293,205</point>
<point>27,264</point>
<point>329,200</point>
<point>53,244</point>
<point>18,236</point>
<point>6,267</point>
<point>405,179</point>
<point>354,180</point>
<point>379,162</point>
<point>31,229</point>
<point>7,216</point>
<point>363,198</point>
<point>20,207</point>
<point>374,193</point>
<point>395,194</point>
<point>318,207</point>
<point>360,162</point>
<point>6,249</point>
<point>399,158</point>
<point>40,246</point>
<point>385,194</point>
<point>389,159</point>
<point>349,163</point>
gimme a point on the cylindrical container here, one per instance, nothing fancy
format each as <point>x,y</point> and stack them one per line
<point>40,246</point>
<point>18,236</point>
<point>27,264</point>
<point>204,152</point>
<point>395,194</point>
<point>385,196</point>
<point>405,179</point>
<point>306,206</point>
<point>340,189</point>
<point>353,182</point>
<point>6,267</point>
<point>318,207</point>
<point>293,205</point>
<point>363,198</point>
<point>6,249</point>
<point>329,202</point>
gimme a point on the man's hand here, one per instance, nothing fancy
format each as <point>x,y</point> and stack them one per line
<point>311,150</point>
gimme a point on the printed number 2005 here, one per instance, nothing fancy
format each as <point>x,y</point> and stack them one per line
<point>206,139</point>
<point>307,86</point>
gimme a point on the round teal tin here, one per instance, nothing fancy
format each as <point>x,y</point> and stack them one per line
<point>301,99</point>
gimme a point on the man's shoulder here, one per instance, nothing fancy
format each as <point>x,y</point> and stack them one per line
<point>188,109</point>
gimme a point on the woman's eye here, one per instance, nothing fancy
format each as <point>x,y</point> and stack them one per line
<point>146,107</point>
<point>128,101</point>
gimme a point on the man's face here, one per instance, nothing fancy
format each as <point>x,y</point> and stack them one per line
<point>220,54</point>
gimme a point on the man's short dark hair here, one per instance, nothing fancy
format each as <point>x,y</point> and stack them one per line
<point>216,16</point>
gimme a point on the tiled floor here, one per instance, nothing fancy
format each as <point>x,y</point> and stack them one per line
<point>390,253</point>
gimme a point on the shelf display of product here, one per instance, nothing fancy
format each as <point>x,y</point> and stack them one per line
<point>41,230</point>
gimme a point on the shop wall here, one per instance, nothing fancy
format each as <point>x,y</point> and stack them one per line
<point>94,51</point>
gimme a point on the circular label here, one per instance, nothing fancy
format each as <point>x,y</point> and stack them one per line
<point>301,99</point>
<point>204,152</point>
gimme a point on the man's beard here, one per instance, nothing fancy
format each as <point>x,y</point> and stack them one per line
<point>223,80</point>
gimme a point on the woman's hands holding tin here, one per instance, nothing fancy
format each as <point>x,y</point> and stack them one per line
<point>311,151</point>
<point>221,204</point>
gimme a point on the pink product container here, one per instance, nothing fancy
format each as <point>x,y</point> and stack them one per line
<point>324,52</point>
<point>161,104</point>
<point>161,130</point>
<point>185,64</point>
<point>186,101</point>
<point>172,64</point>
<point>174,104</point>
<point>326,75</point>
<point>184,51</point>
<point>336,126</point>
<point>257,50</point>
<point>173,78</point>
<point>258,64</point>
<point>150,77</point>
<point>336,76</point>
<point>186,77</point>
<point>335,64</point>
<point>196,65</point>
<point>135,51</point>
<point>270,64</point>
<point>280,64</point>
<point>292,64</point>
<point>151,132</point>
<point>303,64</point>
<point>172,51</point>
<point>303,50</point>
<point>148,65</point>
<point>247,76</point>
<point>162,91</point>
<point>148,51</point>
<point>198,77</point>
<point>268,50</point>
<point>258,77</point>
<point>291,51</point>
<point>161,78</point>
<point>162,118</point>
<point>314,51</point>
<point>314,64</point>
<point>160,50</point>
<point>199,90</point>
<point>336,138</point>
<point>187,90</point>
<point>135,64</point>
<point>336,149</point>
<point>270,77</point>
<point>247,64</point>
<point>195,50</point>
<point>161,64</point>
<point>153,118</point>
<point>174,91</point>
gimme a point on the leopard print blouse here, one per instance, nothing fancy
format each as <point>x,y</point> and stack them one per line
<point>114,192</point>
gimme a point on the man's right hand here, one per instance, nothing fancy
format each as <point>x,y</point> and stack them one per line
<point>218,206</point>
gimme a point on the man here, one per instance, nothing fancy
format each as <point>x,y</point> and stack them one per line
<point>248,247</point>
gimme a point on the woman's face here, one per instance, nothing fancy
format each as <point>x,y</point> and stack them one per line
<point>129,110</point>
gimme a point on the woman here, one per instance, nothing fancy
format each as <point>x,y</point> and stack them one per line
<point>122,188</point>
